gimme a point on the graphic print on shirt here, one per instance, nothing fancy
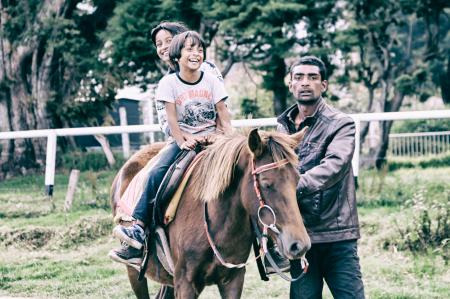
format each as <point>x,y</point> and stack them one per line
<point>197,113</point>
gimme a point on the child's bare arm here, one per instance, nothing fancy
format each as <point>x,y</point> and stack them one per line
<point>223,121</point>
<point>183,141</point>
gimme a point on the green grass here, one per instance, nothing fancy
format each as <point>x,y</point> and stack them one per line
<point>47,253</point>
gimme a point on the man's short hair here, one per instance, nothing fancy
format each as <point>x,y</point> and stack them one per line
<point>173,28</point>
<point>178,42</point>
<point>311,60</point>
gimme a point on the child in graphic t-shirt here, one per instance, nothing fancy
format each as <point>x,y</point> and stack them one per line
<point>193,100</point>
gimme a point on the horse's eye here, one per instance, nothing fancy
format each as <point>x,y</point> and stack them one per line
<point>266,185</point>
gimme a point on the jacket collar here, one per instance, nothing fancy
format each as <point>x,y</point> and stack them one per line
<point>287,118</point>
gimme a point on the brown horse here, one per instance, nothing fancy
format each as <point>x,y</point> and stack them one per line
<point>226,178</point>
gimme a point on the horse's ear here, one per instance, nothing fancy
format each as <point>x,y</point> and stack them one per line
<point>298,137</point>
<point>255,143</point>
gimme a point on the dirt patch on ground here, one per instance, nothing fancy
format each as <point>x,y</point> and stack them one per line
<point>32,237</point>
<point>84,230</point>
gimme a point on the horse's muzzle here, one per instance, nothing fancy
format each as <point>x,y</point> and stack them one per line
<point>296,249</point>
<point>293,248</point>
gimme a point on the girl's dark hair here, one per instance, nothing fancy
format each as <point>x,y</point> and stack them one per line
<point>178,42</point>
<point>173,27</point>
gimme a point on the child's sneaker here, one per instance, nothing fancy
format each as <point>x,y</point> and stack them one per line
<point>126,255</point>
<point>133,235</point>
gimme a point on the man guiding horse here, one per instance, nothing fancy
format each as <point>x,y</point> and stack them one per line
<point>326,189</point>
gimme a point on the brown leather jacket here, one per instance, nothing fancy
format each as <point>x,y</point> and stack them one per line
<point>326,189</point>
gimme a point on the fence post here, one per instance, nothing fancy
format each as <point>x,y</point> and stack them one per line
<point>50,162</point>
<point>355,160</point>
<point>71,188</point>
<point>125,136</point>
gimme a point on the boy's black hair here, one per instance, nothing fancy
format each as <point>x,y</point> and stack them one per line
<point>311,60</point>
<point>178,42</point>
<point>173,27</point>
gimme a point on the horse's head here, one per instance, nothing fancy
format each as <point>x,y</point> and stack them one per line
<point>272,173</point>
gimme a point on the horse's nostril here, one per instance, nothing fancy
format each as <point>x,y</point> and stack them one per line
<point>295,248</point>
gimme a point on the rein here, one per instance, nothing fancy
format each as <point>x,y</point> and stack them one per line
<point>262,237</point>
<point>214,248</point>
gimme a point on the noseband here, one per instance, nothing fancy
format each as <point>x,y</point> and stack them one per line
<point>262,205</point>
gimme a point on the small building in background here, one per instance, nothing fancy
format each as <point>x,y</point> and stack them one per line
<point>140,110</point>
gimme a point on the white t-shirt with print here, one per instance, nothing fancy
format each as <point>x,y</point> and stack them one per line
<point>206,67</point>
<point>195,102</point>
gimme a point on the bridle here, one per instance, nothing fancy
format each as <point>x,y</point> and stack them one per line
<point>262,203</point>
<point>264,236</point>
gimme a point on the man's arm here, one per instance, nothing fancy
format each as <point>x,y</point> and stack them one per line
<point>336,162</point>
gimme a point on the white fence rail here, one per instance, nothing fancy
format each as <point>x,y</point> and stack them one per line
<point>52,134</point>
<point>419,144</point>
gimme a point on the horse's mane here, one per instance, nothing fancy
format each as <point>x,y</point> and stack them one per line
<point>216,167</point>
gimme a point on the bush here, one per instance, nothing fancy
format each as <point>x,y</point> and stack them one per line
<point>423,125</point>
<point>398,164</point>
<point>441,160</point>
<point>84,161</point>
<point>429,228</point>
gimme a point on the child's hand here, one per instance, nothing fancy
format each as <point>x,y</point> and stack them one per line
<point>209,139</point>
<point>189,144</point>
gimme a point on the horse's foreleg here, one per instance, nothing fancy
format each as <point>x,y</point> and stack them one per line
<point>165,292</point>
<point>233,289</point>
<point>139,287</point>
<point>185,289</point>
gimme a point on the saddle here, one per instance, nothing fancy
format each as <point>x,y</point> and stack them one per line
<point>172,186</point>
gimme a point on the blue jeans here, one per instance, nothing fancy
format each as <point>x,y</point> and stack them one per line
<point>144,208</point>
<point>337,263</point>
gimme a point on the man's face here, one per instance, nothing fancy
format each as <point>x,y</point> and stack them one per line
<point>306,84</point>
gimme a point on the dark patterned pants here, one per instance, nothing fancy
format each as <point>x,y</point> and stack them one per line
<point>335,263</point>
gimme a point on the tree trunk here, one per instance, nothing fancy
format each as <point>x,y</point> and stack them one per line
<point>35,71</point>
<point>380,152</point>
<point>365,126</point>
<point>274,81</point>
<point>26,71</point>
<point>444,79</point>
<point>25,92</point>
<point>106,149</point>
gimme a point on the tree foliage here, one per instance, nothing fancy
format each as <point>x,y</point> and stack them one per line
<point>264,35</point>
<point>398,45</point>
<point>61,61</point>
